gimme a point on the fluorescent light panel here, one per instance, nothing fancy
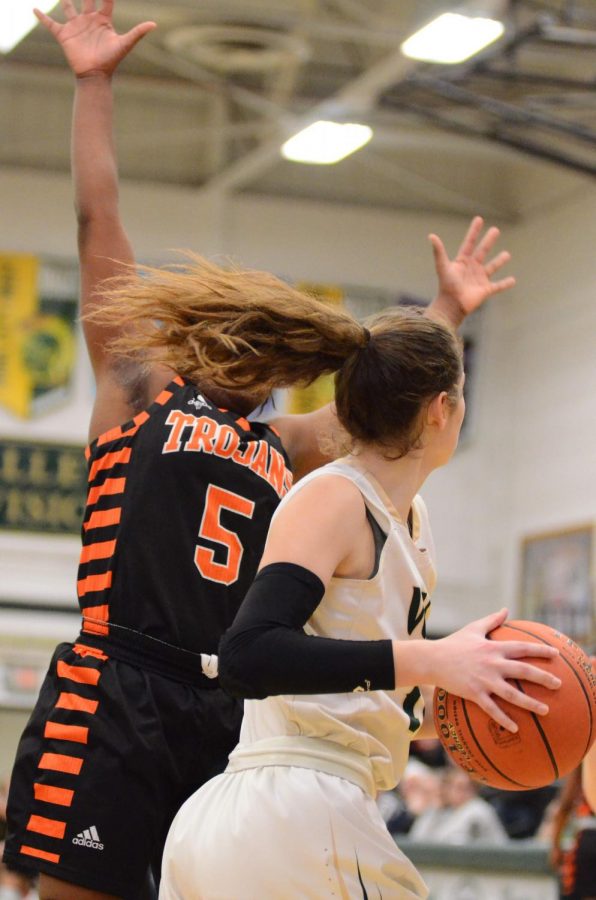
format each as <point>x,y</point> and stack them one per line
<point>323,143</point>
<point>452,38</point>
<point>17,20</point>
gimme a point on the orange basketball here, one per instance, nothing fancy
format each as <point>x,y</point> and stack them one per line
<point>545,747</point>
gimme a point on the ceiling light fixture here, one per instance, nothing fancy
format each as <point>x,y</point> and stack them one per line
<point>323,143</point>
<point>17,20</point>
<point>452,38</point>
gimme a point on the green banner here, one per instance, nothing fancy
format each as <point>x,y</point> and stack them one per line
<point>38,308</point>
<point>42,487</point>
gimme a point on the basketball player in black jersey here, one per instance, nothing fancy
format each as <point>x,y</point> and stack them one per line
<point>182,486</point>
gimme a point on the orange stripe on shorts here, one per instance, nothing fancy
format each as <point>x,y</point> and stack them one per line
<point>40,854</point>
<point>59,762</point>
<point>61,732</point>
<point>83,650</point>
<point>49,794</point>
<point>82,674</point>
<point>75,701</point>
<point>51,827</point>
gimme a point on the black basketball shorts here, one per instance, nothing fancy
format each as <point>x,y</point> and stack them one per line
<point>110,753</point>
<point>579,867</point>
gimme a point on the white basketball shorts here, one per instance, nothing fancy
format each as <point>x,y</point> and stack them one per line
<point>284,833</point>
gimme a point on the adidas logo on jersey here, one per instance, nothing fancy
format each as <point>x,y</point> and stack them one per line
<point>198,402</point>
<point>88,838</point>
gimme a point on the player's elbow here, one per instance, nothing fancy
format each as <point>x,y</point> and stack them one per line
<point>239,671</point>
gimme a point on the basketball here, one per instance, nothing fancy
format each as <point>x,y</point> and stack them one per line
<point>545,747</point>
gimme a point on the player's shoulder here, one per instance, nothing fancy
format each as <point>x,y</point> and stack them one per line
<point>326,491</point>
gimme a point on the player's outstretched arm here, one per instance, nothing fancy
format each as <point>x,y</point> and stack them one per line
<point>93,51</point>
<point>467,280</point>
<point>465,283</point>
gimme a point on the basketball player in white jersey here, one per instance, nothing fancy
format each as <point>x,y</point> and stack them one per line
<point>329,646</point>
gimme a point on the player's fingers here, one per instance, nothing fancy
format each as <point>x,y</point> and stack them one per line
<point>488,623</point>
<point>486,243</point>
<point>135,34</point>
<point>88,6</point>
<point>527,672</point>
<point>495,712</point>
<point>52,26</point>
<point>509,692</point>
<point>497,263</point>
<point>439,252</point>
<point>524,649</point>
<point>469,241</point>
<point>107,8</point>
<point>69,9</point>
<point>504,284</point>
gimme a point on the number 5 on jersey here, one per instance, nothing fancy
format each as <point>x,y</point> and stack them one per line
<point>213,531</point>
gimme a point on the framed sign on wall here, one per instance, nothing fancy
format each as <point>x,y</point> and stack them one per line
<point>556,582</point>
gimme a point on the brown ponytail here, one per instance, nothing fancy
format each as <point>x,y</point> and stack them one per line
<point>381,391</point>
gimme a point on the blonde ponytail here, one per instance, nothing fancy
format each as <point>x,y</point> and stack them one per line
<point>238,329</point>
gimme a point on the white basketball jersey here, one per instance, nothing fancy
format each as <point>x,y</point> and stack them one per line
<point>394,604</point>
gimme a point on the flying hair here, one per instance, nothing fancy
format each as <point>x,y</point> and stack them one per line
<point>248,331</point>
<point>239,329</point>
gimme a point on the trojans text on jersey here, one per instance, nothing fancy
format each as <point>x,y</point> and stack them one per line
<point>202,434</point>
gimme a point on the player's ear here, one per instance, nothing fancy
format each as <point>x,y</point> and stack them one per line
<point>437,411</point>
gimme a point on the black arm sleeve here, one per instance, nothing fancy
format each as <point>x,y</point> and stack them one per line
<point>267,652</point>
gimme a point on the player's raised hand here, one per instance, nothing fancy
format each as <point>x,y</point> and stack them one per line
<point>466,281</point>
<point>88,39</point>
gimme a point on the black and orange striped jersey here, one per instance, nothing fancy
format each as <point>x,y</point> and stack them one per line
<point>179,503</point>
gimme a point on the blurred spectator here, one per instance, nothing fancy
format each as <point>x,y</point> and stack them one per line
<point>462,817</point>
<point>429,751</point>
<point>520,812</point>
<point>417,791</point>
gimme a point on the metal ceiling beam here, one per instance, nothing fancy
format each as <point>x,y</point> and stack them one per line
<point>518,76</point>
<point>209,81</point>
<point>355,98</point>
<point>429,187</point>
<point>324,27</point>
<point>576,37</point>
<point>506,112</point>
<point>520,144</point>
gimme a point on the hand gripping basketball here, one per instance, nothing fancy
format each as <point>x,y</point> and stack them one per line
<point>544,747</point>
